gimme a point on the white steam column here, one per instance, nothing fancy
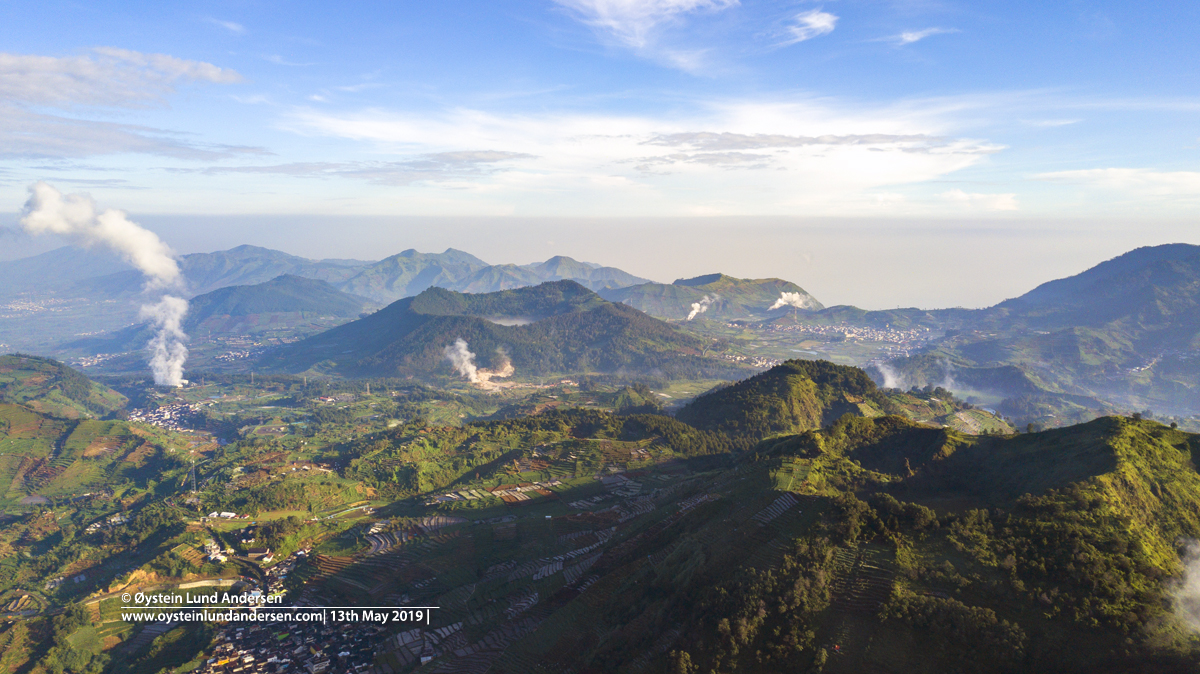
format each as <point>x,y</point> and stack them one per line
<point>75,216</point>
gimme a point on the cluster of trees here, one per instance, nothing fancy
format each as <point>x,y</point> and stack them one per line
<point>65,657</point>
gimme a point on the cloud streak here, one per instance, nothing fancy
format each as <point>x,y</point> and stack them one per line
<point>431,168</point>
<point>911,36</point>
<point>806,26</point>
<point>25,134</point>
<point>632,22</point>
<point>1144,182</point>
<point>231,26</point>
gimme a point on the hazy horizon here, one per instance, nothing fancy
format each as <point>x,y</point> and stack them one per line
<point>871,264</point>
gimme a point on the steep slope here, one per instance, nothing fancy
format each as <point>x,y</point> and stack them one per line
<point>720,296</point>
<point>557,327</point>
<point>1127,330</point>
<point>50,387</point>
<point>873,545</point>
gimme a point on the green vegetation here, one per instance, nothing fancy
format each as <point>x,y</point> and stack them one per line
<point>575,331</point>
<point>800,520</point>
<point>46,385</point>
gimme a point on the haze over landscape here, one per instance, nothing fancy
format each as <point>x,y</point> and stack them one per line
<point>571,336</point>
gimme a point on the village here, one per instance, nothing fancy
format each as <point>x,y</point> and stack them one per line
<point>177,417</point>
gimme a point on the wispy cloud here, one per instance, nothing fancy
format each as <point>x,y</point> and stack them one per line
<point>439,167</point>
<point>806,26</point>
<point>1142,182</point>
<point>975,200</point>
<point>27,134</point>
<point>911,36</point>
<point>817,155</point>
<point>633,21</point>
<point>725,141</point>
<point>232,27</point>
<point>105,78</point>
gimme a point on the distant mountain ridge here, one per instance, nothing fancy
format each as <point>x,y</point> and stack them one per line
<point>89,272</point>
<point>1126,331</point>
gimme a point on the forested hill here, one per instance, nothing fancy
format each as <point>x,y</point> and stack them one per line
<point>284,294</point>
<point>794,396</point>
<point>720,296</point>
<point>556,327</point>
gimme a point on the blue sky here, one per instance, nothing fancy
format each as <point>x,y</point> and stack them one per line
<point>921,110</point>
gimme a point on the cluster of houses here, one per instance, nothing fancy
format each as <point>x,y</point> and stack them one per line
<point>214,553</point>
<point>177,417</point>
<point>314,648</point>
<point>112,521</point>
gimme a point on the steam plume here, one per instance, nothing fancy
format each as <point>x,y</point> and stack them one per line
<point>797,300</point>
<point>891,378</point>
<point>702,306</point>
<point>1185,595</point>
<point>463,360</point>
<point>75,216</point>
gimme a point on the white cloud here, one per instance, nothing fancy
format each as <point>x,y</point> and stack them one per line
<point>632,21</point>
<point>739,157</point>
<point>991,202</point>
<point>107,77</point>
<point>807,25</point>
<point>1144,182</point>
<point>911,36</point>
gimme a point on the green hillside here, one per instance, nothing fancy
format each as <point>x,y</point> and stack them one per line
<point>558,327</point>
<point>794,396</point>
<point>800,395</point>
<point>730,298</point>
<point>585,540</point>
<point>48,386</point>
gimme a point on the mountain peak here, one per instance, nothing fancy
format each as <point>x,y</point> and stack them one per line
<point>700,280</point>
